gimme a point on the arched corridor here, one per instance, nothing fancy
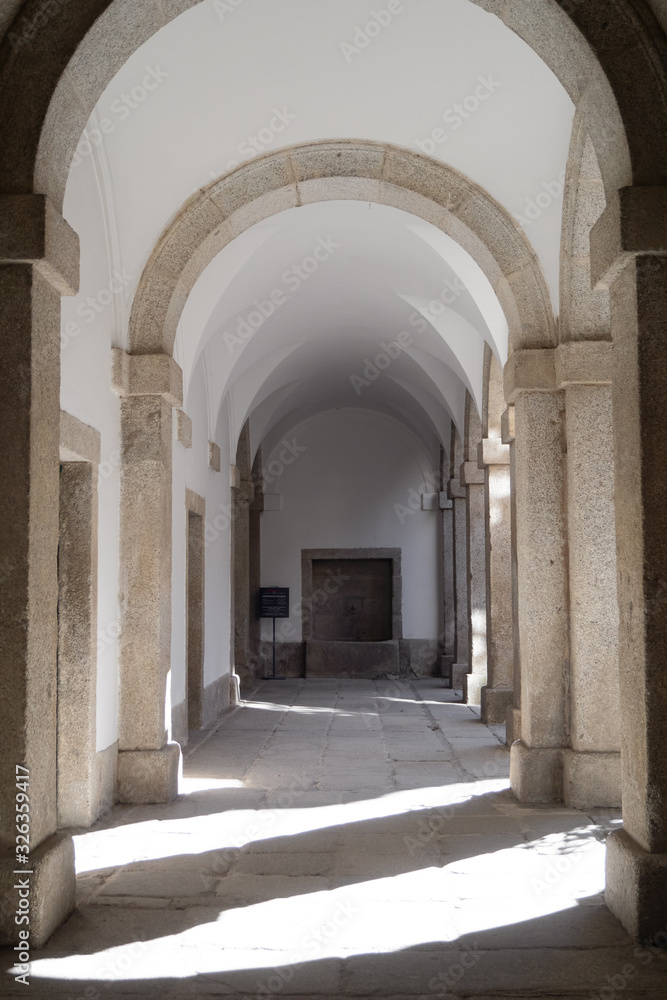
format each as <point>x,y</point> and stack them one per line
<point>333,389</point>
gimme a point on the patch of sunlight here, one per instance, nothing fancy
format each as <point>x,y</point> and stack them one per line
<point>271,706</point>
<point>187,786</point>
<point>422,701</point>
<point>234,828</point>
<point>428,906</point>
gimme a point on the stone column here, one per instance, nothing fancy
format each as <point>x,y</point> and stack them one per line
<point>255,561</point>
<point>513,718</point>
<point>77,623</point>
<point>38,263</point>
<point>457,494</point>
<point>448,558</point>
<point>542,586</point>
<point>632,227</point>
<point>150,385</point>
<point>592,767</point>
<point>472,478</point>
<point>242,495</point>
<point>566,576</point>
<point>494,458</point>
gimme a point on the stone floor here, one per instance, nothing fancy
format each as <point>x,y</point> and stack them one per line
<point>344,839</point>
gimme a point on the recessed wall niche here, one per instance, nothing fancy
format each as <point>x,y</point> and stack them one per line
<point>352,620</point>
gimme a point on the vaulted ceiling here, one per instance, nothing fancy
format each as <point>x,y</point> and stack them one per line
<point>228,81</point>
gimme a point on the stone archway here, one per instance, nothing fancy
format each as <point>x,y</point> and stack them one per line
<point>588,49</point>
<point>48,89</point>
<point>325,171</point>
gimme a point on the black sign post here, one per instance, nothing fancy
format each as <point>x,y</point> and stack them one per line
<point>273,603</point>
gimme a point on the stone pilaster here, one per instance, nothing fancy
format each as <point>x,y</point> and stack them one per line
<point>592,767</point>
<point>242,496</point>
<point>493,457</point>
<point>38,263</point>
<point>627,253</point>
<point>571,496</point>
<point>255,558</point>
<point>542,588</point>
<point>150,385</point>
<point>457,494</point>
<point>513,717</point>
<point>77,623</point>
<point>472,478</point>
<point>448,635</point>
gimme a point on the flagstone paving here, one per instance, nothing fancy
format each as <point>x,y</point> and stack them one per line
<point>344,839</point>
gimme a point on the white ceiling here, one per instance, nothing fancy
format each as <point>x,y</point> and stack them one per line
<point>219,74</point>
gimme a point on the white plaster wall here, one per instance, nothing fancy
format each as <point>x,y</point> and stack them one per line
<point>88,332</point>
<point>208,85</point>
<point>351,488</point>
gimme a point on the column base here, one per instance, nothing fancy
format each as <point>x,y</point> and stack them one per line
<point>446,665</point>
<point>591,780</point>
<point>52,888</point>
<point>147,777</point>
<point>636,890</point>
<point>234,690</point>
<point>512,725</point>
<point>495,702</point>
<point>472,689</point>
<point>536,773</point>
<point>459,674</point>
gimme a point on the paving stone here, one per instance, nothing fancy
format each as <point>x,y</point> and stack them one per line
<point>285,863</point>
<point>242,890</point>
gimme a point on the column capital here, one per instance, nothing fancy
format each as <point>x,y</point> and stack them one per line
<point>78,441</point>
<point>184,428</point>
<point>583,362</point>
<point>214,456</point>
<point>455,491</point>
<point>634,222</point>
<point>492,451</point>
<point>147,375</point>
<point>532,370</point>
<point>550,369</point>
<point>471,474</point>
<point>507,422</point>
<point>35,232</point>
